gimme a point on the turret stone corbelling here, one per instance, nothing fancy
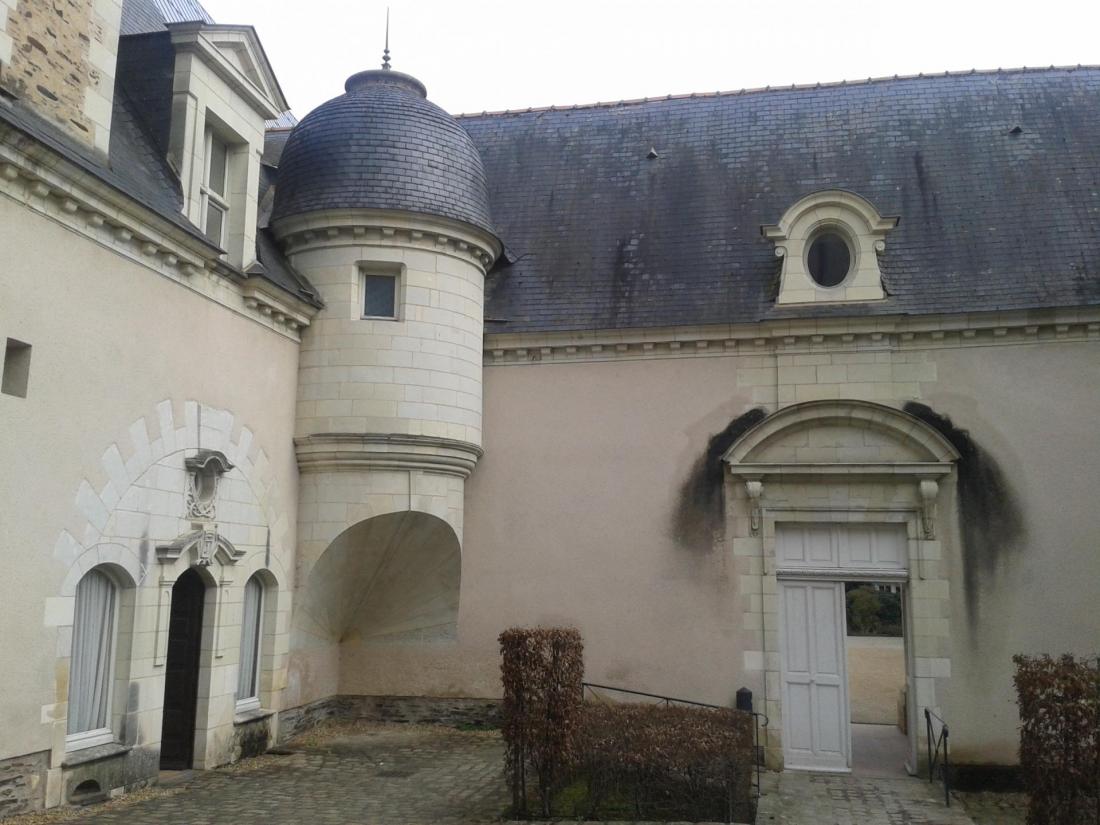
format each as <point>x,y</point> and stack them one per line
<point>359,227</point>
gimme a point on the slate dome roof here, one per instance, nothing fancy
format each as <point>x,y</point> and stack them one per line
<point>382,145</point>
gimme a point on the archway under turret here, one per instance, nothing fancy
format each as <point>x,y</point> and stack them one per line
<point>386,587</point>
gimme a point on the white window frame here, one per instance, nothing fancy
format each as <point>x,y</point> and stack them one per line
<point>365,271</point>
<point>106,735</point>
<point>253,702</point>
<point>209,196</point>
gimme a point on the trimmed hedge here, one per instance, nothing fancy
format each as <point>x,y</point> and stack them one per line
<point>1059,703</point>
<point>643,761</point>
<point>622,761</point>
<point>542,670</point>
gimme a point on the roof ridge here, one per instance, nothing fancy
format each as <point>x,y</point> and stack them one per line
<point>794,87</point>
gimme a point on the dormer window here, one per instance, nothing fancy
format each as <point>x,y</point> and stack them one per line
<point>830,242</point>
<point>215,188</point>
<point>223,91</point>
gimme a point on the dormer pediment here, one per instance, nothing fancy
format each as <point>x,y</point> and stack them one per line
<point>234,53</point>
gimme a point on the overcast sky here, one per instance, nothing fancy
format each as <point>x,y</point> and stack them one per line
<point>476,55</point>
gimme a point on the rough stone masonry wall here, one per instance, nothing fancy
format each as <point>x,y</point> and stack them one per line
<point>59,56</point>
<point>23,783</point>
<point>415,710</point>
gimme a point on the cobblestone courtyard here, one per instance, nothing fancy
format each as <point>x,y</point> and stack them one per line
<point>378,774</point>
<point>833,799</point>
<point>355,774</point>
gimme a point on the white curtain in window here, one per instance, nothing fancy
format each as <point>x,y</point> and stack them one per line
<point>90,667</point>
<point>250,639</point>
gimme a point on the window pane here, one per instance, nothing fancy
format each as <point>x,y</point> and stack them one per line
<point>219,157</point>
<point>215,219</point>
<point>250,640</point>
<point>379,300</point>
<point>90,668</point>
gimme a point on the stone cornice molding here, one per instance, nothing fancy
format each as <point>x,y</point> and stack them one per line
<point>918,470</point>
<point>393,451</point>
<point>270,301</point>
<point>193,38</point>
<point>798,335</point>
<point>386,227</point>
<point>51,186</point>
<point>936,455</point>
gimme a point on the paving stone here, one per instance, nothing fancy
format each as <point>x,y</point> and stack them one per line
<point>841,799</point>
<point>389,776</point>
<point>995,808</point>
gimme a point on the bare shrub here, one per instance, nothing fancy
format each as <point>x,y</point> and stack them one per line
<point>660,762</point>
<point>1059,703</point>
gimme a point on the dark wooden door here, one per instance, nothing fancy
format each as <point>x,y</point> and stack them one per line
<point>181,678</point>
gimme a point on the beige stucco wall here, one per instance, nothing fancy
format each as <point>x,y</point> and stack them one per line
<point>569,514</point>
<point>122,360</point>
<point>569,519</point>
<point>1034,410</point>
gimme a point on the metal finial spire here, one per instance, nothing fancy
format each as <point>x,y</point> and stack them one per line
<point>386,52</point>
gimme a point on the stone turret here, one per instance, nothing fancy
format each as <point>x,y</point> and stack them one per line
<point>381,201</point>
<point>381,184</point>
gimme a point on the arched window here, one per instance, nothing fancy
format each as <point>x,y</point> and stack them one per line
<point>91,669</point>
<point>248,682</point>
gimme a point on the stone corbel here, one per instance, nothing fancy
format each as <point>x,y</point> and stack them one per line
<point>755,489</point>
<point>929,490</point>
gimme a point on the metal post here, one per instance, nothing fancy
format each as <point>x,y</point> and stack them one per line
<point>946,771</point>
<point>928,742</point>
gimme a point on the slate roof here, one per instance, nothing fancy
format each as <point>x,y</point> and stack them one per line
<point>382,145</point>
<point>147,16</point>
<point>992,217</point>
<point>135,169</point>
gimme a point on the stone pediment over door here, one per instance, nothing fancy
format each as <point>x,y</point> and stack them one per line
<point>853,440</point>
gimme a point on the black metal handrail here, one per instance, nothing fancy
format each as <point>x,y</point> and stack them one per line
<point>760,719</point>
<point>938,754</point>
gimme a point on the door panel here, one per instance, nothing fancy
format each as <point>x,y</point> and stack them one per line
<point>824,546</point>
<point>815,684</point>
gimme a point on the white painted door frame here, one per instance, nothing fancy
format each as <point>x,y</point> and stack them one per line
<point>818,559</point>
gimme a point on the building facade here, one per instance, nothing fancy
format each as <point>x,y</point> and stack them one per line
<point>297,417</point>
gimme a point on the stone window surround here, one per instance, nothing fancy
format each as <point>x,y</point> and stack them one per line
<point>118,658</point>
<point>909,492</point>
<point>260,704</point>
<point>372,267</point>
<point>852,217</point>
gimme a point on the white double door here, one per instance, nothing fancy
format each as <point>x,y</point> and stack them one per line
<point>812,562</point>
<point>816,729</point>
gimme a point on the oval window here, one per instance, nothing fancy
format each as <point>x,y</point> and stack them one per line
<point>829,259</point>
